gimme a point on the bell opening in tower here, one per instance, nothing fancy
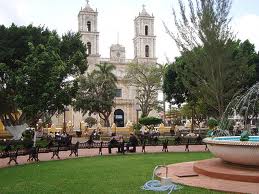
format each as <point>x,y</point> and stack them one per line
<point>88,26</point>
<point>146,51</point>
<point>146,30</point>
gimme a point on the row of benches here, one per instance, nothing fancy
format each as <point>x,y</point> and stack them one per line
<point>33,152</point>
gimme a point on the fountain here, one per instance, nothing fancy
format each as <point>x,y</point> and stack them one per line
<point>242,149</point>
<point>236,167</point>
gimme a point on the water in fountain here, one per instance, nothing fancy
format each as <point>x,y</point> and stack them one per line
<point>246,106</point>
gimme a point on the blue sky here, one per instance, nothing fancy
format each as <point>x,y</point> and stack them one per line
<point>117,16</point>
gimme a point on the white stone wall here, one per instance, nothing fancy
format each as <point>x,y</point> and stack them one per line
<point>89,36</point>
<point>142,40</point>
<point>117,53</point>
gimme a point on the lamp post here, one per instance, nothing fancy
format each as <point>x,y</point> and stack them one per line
<point>38,126</point>
<point>34,137</point>
<point>138,110</point>
<point>64,123</point>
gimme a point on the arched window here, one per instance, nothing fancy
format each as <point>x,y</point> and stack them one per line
<point>88,26</point>
<point>119,118</point>
<point>146,51</point>
<point>88,52</point>
<point>146,30</point>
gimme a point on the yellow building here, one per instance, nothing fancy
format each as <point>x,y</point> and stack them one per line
<point>3,132</point>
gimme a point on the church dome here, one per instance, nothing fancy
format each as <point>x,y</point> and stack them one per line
<point>144,12</point>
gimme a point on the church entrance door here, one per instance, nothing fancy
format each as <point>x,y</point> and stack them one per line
<point>119,118</point>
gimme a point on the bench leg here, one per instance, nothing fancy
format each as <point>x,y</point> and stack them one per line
<point>36,158</point>
<point>187,148</point>
<point>13,159</point>
<point>29,159</point>
<point>144,148</point>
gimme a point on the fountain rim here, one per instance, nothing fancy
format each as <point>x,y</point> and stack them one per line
<point>211,140</point>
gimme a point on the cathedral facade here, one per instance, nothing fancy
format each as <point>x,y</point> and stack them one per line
<point>126,108</point>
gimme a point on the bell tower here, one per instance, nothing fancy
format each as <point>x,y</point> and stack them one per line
<point>144,40</point>
<point>87,26</point>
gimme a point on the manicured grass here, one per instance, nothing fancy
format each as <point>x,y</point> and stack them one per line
<point>95,175</point>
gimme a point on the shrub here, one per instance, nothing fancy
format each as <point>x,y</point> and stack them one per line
<point>147,121</point>
<point>28,138</point>
<point>42,143</point>
<point>91,121</point>
<point>137,127</point>
<point>28,134</point>
<point>177,121</point>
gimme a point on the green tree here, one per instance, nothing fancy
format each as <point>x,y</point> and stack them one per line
<point>257,66</point>
<point>97,92</point>
<point>91,121</point>
<point>173,87</point>
<point>213,70</point>
<point>147,80</point>
<point>150,122</point>
<point>34,72</point>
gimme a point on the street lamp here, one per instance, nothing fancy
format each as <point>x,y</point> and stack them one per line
<point>138,110</point>
<point>38,126</point>
<point>64,123</point>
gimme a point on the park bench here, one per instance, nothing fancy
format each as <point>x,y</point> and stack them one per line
<point>13,156</point>
<point>165,145</point>
<point>34,154</point>
<point>74,149</point>
<point>64,145</point>
<point>55,152</point>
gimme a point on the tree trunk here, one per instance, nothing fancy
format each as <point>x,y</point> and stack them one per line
<point>192,124</point>
<point>17,130</point>
<point>106,122</point>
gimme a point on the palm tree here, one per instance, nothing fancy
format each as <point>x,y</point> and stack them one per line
<point>97,92</point>
<point>105,71</point>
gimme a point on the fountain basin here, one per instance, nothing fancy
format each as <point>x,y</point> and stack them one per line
<point>231,149</point>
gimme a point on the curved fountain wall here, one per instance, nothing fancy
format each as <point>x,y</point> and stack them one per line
<point>232,150</point>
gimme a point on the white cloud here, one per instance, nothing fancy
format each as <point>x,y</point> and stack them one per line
<point>247,27</point>
<point>114,16</point>
<point>9,13</point>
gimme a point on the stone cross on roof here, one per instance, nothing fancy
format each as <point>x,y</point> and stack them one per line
<point>87,1</point>
<point>143,6</point>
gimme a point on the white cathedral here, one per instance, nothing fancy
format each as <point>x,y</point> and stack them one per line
<point>144,52</point>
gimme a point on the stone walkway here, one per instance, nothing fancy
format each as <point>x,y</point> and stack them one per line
<point>183,173</point>
<point>95,151</point>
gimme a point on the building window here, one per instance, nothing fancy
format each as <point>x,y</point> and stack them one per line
<point>88,26</point>
<point>146,30</point>
<point>146,51</point>
<point>118,92</point>
<point>89,47</point>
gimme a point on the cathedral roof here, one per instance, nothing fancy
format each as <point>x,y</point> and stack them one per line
<point>144,12</point>
<point>88,8</point>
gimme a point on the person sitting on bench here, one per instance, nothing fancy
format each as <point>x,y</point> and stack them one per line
<point>121,145</point>
<point>133,141</point>
<point>113,143</point>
